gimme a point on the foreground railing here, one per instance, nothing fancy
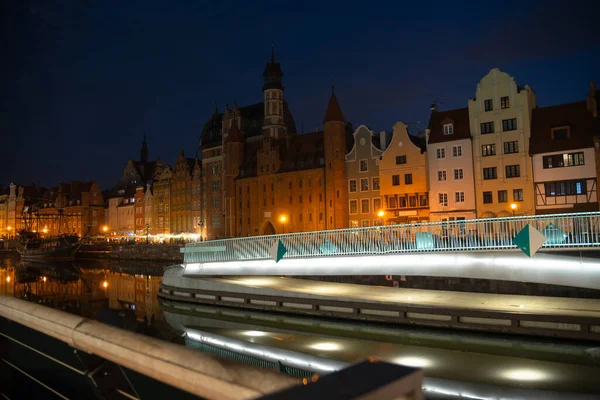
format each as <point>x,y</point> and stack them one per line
<point>576,230</point>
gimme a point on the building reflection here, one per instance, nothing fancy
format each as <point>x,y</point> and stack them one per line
<point>84,290</point>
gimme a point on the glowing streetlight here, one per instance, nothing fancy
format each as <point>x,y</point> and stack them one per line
<point>381,213</point>
<point>105,284</point>
<point>8,279</point>
<point>283,219</point>
<point>513,207</point>
<point>105,228</point>
<point>9,228</point>
<point>44,279</point>
<point>45,230</point>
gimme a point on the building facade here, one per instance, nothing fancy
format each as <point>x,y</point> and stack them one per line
<point>161,201</point>
<point>500,119</point>
<point>564,159</point>
<point>365,207</point>
<point>260,177</point>
<point>181,195</point>
<point>139,213</point>
<point>450,166</point>
<point>403,178</point>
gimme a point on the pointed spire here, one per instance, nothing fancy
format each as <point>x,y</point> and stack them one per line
<point>272,52</point>
<point>234,135</point>
<point>334,111</point>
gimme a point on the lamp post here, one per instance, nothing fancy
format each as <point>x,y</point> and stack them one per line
<point>283,220</point>
<point>513,207</point>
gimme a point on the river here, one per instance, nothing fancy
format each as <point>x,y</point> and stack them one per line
<point>457,364</point>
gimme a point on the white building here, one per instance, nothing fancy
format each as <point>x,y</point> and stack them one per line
<point>450,160</point>
<point>564,165</point>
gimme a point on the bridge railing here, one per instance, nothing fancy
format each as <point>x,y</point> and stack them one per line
<point>575,230</point>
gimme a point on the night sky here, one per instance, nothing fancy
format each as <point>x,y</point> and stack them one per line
<point>84,80</point>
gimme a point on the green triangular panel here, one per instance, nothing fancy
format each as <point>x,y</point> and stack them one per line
<point>529,240</point>
<point>278,251</point>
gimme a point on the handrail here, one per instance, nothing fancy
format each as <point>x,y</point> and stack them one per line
<point>169,363</point>
<point>563,231</point>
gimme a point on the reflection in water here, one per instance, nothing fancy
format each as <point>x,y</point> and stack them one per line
<point>456,364</point>
<point>120,295</point>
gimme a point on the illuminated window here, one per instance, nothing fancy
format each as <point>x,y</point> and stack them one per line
<point>448,129</point>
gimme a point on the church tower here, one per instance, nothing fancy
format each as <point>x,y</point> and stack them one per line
<point>334,138</point>
<point>273,125</point>
<point>144,151</point>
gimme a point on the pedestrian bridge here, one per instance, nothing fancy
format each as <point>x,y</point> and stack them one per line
<point>477,248</point>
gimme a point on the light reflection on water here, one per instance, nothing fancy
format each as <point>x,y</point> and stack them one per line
<point>90,288</point>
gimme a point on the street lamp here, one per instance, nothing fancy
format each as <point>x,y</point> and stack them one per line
<point>105,229</point>
<point>513,207</point>
<point>283,220</point>
<point>381,213</point>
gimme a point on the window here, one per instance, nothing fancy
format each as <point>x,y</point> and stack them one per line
<point>504,103</point>
<point>290,185</point>
<point>364,165</point>
<point>376,183</point>
<point>458,174</point>
<point>443,199</point>
<point>402,201</point>
<point>487,197</point>
<point>215,186</point>
<point>337,193</point>
<point>488,150</point>
<point>490,173</point>
<point>441,153</point>
<point>511,147</point>
<point>489,106</point>
<point>448,129</point>
<point>566,188</point>
<point>353,224</point>
<point>487,127</point>
<point>502,196</point>
<point>408,179</point>
<point>563,160</point>
<point>509,124</point>
<point>441,175</point>
<point>400,160</point>
<point>457,151</point>
<point>364,206</point>
<point>562,133</point>
<point>392,202</point>
<point>412,201</point>
<point>353,206</point>
<point>364,223</point>
<point>513,171</point>
<point>423,200</point>
<point>300,199</point>
<point>352,185</point>
<point>517,194</point>
<point>310,198</point>
<point>376,205</point>
<point>395,180</point>
<point>459,197</point>
<point>300,183</point>
<point>364,184</point>
<point>377,222</point>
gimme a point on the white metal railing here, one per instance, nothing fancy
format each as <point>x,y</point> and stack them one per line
<point>575,230</point>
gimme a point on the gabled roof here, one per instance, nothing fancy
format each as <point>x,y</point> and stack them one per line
<point>234,135</point>
<point>460,120</point>
<point>574,115</point>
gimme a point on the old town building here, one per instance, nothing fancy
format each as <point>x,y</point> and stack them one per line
<point>197,220</point>
<point>4,212</point>
<point>260,177</point>
<point>161,214</point>
<point>564,160</point>
<point>450,165</point>
<point>362,170</point>
<point>500,116</point>
<point>148,203</point>
<point>139,172</point>
<point>403,178</point>
<point>181,195</point>
<point>139,213</point>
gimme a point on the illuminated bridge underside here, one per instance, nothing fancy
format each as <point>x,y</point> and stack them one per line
<point>576,269</point>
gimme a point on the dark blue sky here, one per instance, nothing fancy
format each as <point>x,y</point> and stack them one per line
<point>83,80</point>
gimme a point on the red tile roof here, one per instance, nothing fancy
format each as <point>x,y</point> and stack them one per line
<point>574,115</point>
<point>459,118</point>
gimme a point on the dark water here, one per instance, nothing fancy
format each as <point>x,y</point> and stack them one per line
<point>456,364</point>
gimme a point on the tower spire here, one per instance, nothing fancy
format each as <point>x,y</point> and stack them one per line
<point>144,150</point>
<point>272,52</point>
